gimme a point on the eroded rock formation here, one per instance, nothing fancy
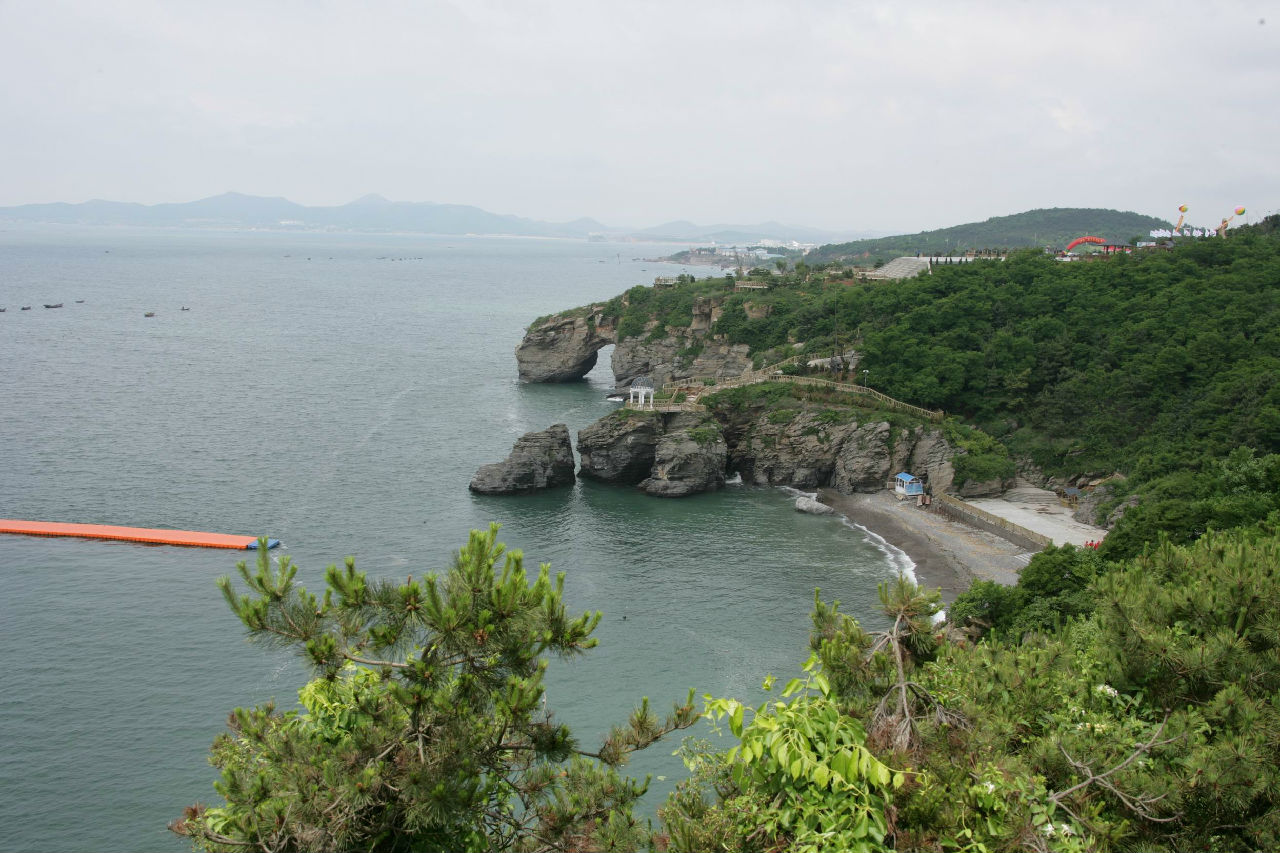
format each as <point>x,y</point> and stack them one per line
<point>563,348</point>
<point>689,458</point>
<point>620,447</point>
<point>539,460</point>
<point>678,454</point>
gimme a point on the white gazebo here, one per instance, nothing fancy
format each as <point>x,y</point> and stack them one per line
<point>641,387</point>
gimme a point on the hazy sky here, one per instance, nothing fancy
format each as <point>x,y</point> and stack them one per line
<point>844,115</point>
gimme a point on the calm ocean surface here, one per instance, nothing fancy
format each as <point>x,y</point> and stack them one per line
<point>336,392</point>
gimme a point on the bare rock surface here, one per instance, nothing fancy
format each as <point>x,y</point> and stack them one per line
<point>561,349</point>
<point>539,460</point>
<point>804,503</point>
<point>620,448</point>
<point>688,461</point>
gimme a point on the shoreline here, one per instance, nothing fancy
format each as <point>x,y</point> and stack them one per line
<point>948,555</point>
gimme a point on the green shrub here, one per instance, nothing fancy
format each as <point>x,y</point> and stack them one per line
<point>705,434</point>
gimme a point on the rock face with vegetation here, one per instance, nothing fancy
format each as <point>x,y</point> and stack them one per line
<point>689,458</point>
<point>667,344</point>
<point>539,460</point>
<point>562,348</point>
<point>619,448</point>
<point>679,454</point>
<point>676,357</point>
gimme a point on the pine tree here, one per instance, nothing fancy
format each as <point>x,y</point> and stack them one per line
<point>426,728</point>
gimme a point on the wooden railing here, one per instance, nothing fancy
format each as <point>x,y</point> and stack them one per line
<point>969,512</point>
<point>849,388</point>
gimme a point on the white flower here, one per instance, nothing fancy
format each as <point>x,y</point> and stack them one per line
<point>991,788</point>
<point>1065,829</point>
<point>1047,829</point>
<point>1107,690</point>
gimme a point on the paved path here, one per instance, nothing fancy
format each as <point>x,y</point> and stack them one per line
<point>1040,511</point>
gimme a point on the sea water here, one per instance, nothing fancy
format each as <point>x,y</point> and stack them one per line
<point>337,392</point>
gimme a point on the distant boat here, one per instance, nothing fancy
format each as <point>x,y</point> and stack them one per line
<point>26,307</point>
<point>79,301</point>
<point>185,308</point>
<point>1,310</point>
<point>47,305</point>
<point>149,314</point>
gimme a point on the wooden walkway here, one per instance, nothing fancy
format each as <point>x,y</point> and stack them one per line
<point>695,387</point>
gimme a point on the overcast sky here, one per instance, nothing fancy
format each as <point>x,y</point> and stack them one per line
<point>842,115</point>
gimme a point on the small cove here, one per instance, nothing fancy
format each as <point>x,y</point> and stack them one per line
<point>336,392</point>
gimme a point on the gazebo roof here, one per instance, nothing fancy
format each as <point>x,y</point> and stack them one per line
<point>642,382</point>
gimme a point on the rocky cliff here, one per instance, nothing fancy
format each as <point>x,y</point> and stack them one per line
<point>562,348</point>
<point>539,460</point>
<point>678,454</point>
<point>689,458</point>
<point>620,447</point>
<point>808,450</point>
<point>565,347</point>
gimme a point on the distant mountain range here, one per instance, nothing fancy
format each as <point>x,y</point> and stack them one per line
<point>375,213</point>
<point>1053,227</point>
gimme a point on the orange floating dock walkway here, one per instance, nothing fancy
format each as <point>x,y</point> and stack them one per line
<point>192,538</point>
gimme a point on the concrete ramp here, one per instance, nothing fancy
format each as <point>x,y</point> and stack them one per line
<point>900,268</point>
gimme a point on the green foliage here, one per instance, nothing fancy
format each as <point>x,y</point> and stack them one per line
<point>982,458</point>
<point>1149,725</point>
<point>425,728</point>
<point>1054,587</point>
<point>744,397</point>
<point>704,434</point>
<point>782,416</point>
<point>1237,491</point>
<point>833,416</point>
<point>669,307</point>
<point>692,351</point>
<point>801,778</point>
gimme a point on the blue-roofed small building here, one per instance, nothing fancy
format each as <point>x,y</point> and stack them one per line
<point>907,486</point>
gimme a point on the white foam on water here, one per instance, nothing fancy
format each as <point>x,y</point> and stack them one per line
<point>898,559</point>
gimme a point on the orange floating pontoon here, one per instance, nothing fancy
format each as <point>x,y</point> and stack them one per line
<point>150,536</point>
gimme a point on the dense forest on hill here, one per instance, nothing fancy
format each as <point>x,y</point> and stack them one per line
<point>1156,365</point>
<point>1053,227</point>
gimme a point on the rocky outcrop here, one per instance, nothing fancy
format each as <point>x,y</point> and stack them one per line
<point>808,450</point>
<point>685,453</point>
<point>865,460</point>
<point>690,458</point>
<point>1118,513</point>
<point>992,488</point>
<point>620,447</point>
<point>678,356</point>
<point>804,503</point>
<point>799,451</point>
<point>539,460</point>
<point>563,348</point>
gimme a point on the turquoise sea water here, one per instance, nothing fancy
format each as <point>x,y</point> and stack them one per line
<point>336,392</point>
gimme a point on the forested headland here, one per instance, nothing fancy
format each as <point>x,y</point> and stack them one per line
<point>1118,698</point>
<point>1032,229</point>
